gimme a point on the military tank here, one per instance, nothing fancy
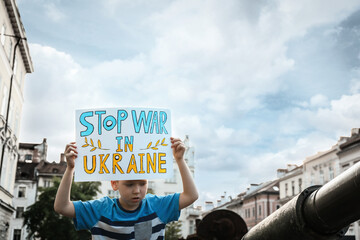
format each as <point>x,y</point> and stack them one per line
<point>317,213</point>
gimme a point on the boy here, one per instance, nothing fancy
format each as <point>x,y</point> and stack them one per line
<point>134,215</point>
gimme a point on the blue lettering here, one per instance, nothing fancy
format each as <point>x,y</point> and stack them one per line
<point>89,126</point>
<point>122,115</point>
<point>99,124</point>
<point>142,120</point>
<point>109,123</point>
<point>163,118</point>
<point>155,122</point>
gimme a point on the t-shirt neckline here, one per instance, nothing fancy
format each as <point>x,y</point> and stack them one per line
<point>125,210</point>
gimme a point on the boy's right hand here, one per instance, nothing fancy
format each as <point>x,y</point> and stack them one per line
<point>71,154</point>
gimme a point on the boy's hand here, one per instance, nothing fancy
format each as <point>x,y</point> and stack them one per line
<point>178,148</point>
<point>71,154</point>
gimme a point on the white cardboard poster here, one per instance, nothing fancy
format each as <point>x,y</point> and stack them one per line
<point>123,143</point>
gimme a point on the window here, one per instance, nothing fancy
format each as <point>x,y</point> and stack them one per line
<point>286,189</point>
<point>11,112</point>
<point>253,210</point>
<point>22,191</point>
<point>259,210</point>
<point>113,194</point>
<point>191,227</point>
<point>292,188</point>
<point>3,29</point>
<point>331,173</point>
<point>322,177</point>
<point>17,234</point>
<point>300,185</point>
<point>10,49</point>
<point>312,179</point>
<point>47,183</point>
<point>16,124</point>
<point>19,212</point>
<point>345,166</point>
<point>4,102</point>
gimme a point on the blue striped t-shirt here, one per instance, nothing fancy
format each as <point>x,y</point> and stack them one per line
<point>108,220</point>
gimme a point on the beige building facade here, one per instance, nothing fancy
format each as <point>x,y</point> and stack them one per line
<point>321,168</point>
<point>15,63</point>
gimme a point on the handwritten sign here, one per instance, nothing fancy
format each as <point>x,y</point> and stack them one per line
<point>123,143</point>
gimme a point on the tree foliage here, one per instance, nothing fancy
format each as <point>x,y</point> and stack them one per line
<point>173,231</point>
<point>43,222</point>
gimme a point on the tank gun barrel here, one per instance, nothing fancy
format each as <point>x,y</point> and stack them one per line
<point>316,213</point>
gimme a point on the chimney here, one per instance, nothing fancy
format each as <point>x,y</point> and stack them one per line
<point>62,158</point>
<point>355,131</point>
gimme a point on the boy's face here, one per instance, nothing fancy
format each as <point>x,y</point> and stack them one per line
<point>131,192</point>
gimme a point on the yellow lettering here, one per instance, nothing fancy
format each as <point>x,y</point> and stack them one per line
<point>93,165</point>
<point>117,158</point>
<point>130,146</point>
<point>151,162</point>
<point>161,161</point>
<point>119,148</point>
<point>132,165</point>
<point>102,163</point>
<point>141,162</point>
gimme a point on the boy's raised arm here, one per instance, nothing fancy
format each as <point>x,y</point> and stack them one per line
<point>189,194</point>
<point>62,204</point>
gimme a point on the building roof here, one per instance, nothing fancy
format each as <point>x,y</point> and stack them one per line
<point>30,146</point>
<point>353,141</point>
<point>320,154</point>
<point>51,168</point>
<point>27,170</point>
<point>264,188</point>
<point>19,31</point>
<point>289,173</point>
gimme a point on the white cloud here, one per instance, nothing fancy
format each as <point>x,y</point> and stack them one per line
<point>53,12</point>
<point>319,100</point>
<point>224,133</point>
<point>211,63</point>
<point>337,119</point>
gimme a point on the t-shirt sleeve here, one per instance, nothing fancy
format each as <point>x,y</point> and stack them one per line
<point>87,214</point>
<point>167,207</point>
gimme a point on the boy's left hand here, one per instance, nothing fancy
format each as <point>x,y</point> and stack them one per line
<point>178,148</point>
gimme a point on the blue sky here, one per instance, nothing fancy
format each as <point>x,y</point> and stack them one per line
<point>255,84</point>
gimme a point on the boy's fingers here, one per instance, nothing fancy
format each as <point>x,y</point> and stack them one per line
<point>175,144</point>
<point>178,146</point>
<point>174,139</point>
<point>70,147</point>
<point>70,150</point>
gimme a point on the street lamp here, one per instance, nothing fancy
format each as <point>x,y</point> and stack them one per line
<point>18,39</point>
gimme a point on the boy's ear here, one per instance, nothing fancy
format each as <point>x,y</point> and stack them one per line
<point>114,185</point>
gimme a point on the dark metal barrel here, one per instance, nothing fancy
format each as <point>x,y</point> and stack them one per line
<point>336,204</point>
<point>317,213</point>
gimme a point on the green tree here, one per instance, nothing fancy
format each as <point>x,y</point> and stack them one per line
<point>43,222</point>
<point>173,231</point>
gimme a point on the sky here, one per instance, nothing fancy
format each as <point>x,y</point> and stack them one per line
<point>256,85</point>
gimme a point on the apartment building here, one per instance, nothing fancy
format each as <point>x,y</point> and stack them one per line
<point>15,63</point>
<point>33,171</point>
